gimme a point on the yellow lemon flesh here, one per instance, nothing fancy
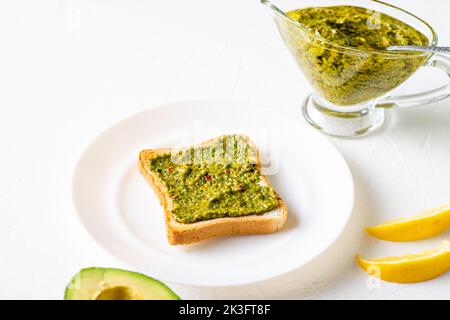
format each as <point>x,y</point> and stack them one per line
<point>426,225</point>
<point>411,267</point>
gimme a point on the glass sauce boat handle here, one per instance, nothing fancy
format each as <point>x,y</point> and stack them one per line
<point>419,99</point>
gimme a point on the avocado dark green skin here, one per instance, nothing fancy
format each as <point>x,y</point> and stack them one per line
<point>71,293</point>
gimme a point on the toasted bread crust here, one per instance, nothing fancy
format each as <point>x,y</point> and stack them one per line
<point>186,233</point>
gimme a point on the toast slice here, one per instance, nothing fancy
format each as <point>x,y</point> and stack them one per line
<point>186,233</point>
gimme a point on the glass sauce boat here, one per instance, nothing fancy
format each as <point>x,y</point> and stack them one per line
<point>350,101</point>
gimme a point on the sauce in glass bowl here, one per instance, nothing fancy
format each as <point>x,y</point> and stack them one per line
<point>343,54</point>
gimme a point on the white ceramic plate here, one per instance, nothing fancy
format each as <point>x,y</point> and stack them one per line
<point>121,212</point>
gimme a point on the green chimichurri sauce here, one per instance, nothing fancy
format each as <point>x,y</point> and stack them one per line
<point>344,77</point>
<point>220,179</point>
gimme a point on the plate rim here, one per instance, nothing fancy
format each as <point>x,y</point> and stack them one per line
<point>253,105</point>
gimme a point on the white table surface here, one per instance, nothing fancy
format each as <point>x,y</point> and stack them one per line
<point>69,69</point>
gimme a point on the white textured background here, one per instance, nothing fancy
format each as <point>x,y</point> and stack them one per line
<point>69,69</point>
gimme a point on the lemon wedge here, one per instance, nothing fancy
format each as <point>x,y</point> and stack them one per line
<point>426,225</point>
<point>411,267</point>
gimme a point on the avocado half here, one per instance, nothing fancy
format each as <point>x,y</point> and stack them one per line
<point>116,284</point>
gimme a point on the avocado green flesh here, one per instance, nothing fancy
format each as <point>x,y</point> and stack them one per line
<point>116,284</point>
<point>219,179</point>
<point>344,77</point>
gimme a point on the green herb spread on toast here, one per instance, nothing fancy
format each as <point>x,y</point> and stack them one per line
<point>218,179</point>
